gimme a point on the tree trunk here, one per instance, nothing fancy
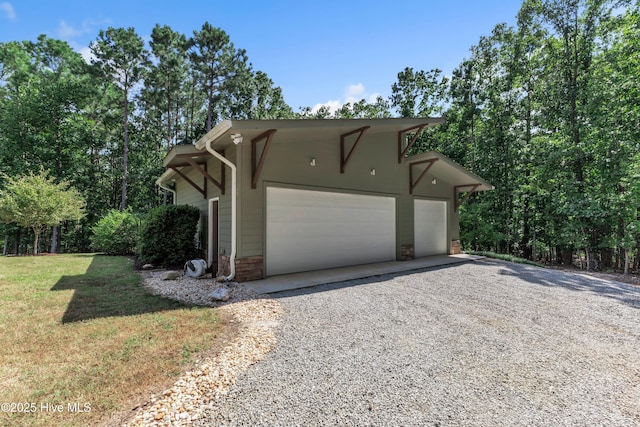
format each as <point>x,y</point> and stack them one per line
<point>587,256</point>
<point>54,240</point>
<point>16,246</point>
<point>36,239</point>
<point>125,154</point>
<point>626,261</point>
<point>6,244</point>
<point>566,255</point>
<point>606,255</point>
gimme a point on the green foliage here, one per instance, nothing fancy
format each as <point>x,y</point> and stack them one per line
<point>122,59</point>
<point>419,93</point>
<point>218,66</point>
<point>504,257</point>
<point>37,201</point>
<point>547,112</point>
<point>89,124</point>
<point>116,233</point>
<point>168,235</point>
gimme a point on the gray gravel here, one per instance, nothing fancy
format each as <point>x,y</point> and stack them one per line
<point>481,344</point>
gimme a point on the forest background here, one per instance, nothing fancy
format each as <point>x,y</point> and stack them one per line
<point>547,110</point>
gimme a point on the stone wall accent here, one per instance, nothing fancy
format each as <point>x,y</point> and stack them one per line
<point>247,268</point>
<point>455,247</point>
<point>406,252</point>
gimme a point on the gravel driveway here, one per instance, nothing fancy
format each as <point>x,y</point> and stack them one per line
<point>481,344</point>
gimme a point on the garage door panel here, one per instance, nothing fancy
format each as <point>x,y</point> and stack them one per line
<point>310,230</point>
<point>430,227</point>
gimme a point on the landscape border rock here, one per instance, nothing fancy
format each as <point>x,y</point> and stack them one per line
<point>256,319</point>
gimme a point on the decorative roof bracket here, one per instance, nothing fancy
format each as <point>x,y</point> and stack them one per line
<point>403,152</point>
<point>203,170</point>
<point>257,168</point>
<point>193,184</point>
<point>458,203</point>
<point>343,160</point>
<point>412,184</point>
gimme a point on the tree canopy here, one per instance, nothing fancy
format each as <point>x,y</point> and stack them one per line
<point>38,202</point>
<point>546,110</point>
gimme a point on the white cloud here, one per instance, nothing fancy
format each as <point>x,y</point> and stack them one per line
<point>85,51</point>
<point>86,54</point>
<point>333,106</point>
<point>8,10</point>
<point>88,26</point>
<point>352,94</point>
<point>66,31</point>
<point>355,90</point>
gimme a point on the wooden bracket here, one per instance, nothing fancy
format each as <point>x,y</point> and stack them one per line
<point>203,170</point>
<point>403,152</point>
<point>457,203</point>
<point>343,160</point>
<point>186,178</point>
<point>257,168</point>
<point>412,184</point>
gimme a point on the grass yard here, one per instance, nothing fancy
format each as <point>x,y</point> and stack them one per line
<point>81,340</point>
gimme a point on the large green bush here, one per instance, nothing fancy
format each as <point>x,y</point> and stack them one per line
<point>116,233</point>
<point>168,235</point>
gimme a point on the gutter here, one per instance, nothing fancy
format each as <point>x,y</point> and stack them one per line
<point>210,137</point>
<point>164,187</point>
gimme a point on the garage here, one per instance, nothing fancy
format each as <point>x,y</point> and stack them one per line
<point>311,230</point>
<point>430,227</point>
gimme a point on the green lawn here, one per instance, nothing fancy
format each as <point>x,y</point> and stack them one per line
<point>81,330</point>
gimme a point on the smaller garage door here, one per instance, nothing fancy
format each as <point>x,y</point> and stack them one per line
<point>312,230</point>
<point>430,227</point>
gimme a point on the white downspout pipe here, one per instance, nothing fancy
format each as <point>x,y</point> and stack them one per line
<point>232,257</point>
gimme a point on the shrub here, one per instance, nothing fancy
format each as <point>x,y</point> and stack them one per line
<point>116,233</point>
<point>168,235</point>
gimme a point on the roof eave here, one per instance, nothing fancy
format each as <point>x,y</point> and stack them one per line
<point>214,134</point>
<point>473,178</point>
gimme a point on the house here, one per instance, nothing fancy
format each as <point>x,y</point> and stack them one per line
<point>284,196</point>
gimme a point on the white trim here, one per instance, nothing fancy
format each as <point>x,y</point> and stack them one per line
<point>214,134</point>
<point>211,250</point>
<point>234,190</point>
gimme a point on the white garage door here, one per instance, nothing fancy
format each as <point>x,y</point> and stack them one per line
<point>312,230</point>
<point>430,227</point>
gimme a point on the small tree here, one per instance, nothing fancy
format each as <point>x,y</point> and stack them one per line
<point>37,201</point>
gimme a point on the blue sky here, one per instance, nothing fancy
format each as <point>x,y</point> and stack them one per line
<point>318,52</point>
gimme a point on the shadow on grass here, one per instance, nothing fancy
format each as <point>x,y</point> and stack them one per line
<point>110,287</point>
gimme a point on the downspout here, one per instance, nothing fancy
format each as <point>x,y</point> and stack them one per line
<point>232,257</point>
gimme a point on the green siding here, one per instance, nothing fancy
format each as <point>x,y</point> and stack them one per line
<point>188,195</point>
<point>288,164</point>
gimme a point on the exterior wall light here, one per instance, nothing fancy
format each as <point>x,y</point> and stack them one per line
<point>312,162</point>
<point>373,172</point>
<point>434,181</point>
